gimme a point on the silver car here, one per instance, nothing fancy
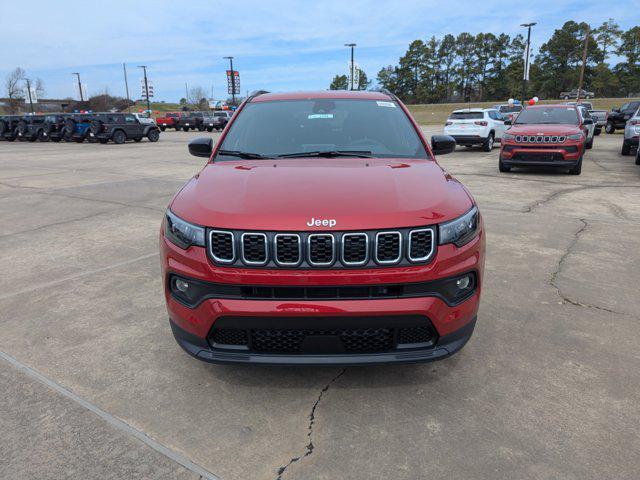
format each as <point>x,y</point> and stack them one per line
<point>591,128</point>
<point>631,134</point>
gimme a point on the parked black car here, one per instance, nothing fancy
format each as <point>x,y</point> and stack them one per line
<point>121,127</point>
<point>224,117</point>
<point>53,127</point>
<point>619,116</point>
<point>9,127</point>
<point>30,128</point>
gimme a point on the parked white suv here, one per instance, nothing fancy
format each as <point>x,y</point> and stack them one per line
<point>476,126</point>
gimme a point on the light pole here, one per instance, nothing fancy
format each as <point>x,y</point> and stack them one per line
<point>29,93</point>
<point>79,85</point>
<point>233,80</point>
<point>146,87</point>
<point>351,66</point>
<point>525,74</point>
<point>126,86</point>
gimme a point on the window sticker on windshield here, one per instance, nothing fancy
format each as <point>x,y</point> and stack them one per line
<point>320,115</point>
<point>386,104</point>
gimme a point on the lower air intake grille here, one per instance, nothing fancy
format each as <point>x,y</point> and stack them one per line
<point>415,335</point>
<point>229,336</point>
<point>321,249</point>
<point>364,340</point>
<point>388,246</point>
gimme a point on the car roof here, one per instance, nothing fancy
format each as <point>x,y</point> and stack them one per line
<point>324,94</point>
<point>554,105</point>
<point>473,110</point>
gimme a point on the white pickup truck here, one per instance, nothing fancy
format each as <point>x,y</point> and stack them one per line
<point>599,116</point>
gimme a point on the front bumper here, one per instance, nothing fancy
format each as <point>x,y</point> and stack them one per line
<point>542,155</point>
<point>452,323</point>
<point>445,347</point>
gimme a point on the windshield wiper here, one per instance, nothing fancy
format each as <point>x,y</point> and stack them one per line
<point>330,154</point>
<point>238,153</point>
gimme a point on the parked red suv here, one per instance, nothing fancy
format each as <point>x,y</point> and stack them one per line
<point>545,135</point>
<point>322,231</point>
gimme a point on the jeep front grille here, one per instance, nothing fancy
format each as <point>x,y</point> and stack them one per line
<point>321,249</point>
<point>540,138</point>
<point>388,247</point>
<point>288,250</point>
<point>355,248</point>
<point>254,248</point>
<point>221,246</point>
<point>403,246</point>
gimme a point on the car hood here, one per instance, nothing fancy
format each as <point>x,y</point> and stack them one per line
<point>544,129</point>
<point>286,194</point>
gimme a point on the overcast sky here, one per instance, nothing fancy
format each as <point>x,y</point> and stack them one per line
<point>277,45</point>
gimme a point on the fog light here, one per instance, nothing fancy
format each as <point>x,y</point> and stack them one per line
<point>463,283</point>
<point>182,285</point>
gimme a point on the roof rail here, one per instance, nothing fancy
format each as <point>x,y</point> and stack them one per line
<point>385,91</point>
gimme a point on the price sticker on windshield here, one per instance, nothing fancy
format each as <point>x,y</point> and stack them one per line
<point>319,115</point>
<point>386,104</point>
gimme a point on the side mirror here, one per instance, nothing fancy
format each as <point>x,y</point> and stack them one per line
<point>442,144</point>
<point>587,121</point>
<point>508,122</point>
<point>201,147</point>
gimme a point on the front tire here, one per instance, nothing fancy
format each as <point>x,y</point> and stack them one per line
<point>153,135</point>
<point>185,129</point>
<point>577,169</point>
<point>119,137</point>
<point>609,128</point>
<point>597,131</point>
<point>502,167</point>
<point>163,128</point>
<point>566,97</point>
<point>590,144</point>
<point>626,149</point>
<point>43,137</point>
<point>638,156</point>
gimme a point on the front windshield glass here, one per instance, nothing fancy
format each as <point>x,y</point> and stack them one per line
<point>561,115</point>
<point>271,129</point>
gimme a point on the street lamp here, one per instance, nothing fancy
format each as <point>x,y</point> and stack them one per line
<point>79,85</point>
<point>29,93</point>
<point>233,80</point>
<point>525,74</point>
<point>146,87</point>
<point>351,66</point>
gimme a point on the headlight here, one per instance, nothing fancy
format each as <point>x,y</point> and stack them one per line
<point>508,136</point>
<point>461,230</point>
<point>577,136</point>
<point>181,233</point>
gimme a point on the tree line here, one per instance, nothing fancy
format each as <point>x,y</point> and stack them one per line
<point>487,66</point>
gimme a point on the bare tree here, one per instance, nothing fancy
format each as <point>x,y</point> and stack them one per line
<point>197,97</point>
<point>39,86</point>
<point>12,84</point>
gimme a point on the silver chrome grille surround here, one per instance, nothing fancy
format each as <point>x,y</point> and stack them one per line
<point>318,251</point>
<point>428,232</point>
<point>352,263</point>
<point>540,138</point>
<point>322,249</point>
<point>387,237</point>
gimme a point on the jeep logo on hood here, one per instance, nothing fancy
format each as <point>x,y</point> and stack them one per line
<point>321,222</point>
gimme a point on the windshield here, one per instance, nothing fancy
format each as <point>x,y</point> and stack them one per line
<point>566,115</point>
<point>271,129</point>
<point>510,108</point>
<point>466,116</point>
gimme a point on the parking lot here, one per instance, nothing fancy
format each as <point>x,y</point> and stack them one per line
<point>93,385</point>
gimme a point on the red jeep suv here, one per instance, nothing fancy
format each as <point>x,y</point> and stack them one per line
<point>547,136</point>
<point>322,231</point>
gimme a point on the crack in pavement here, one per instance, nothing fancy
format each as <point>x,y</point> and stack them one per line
<point>554,275</point>
<point>564,191</point>
<point>312,418</point>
